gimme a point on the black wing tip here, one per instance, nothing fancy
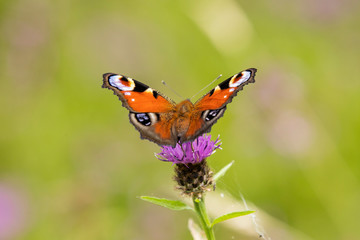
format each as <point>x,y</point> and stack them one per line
<point>253,73</point>
<point>106,75</point>
<point>252,69</point>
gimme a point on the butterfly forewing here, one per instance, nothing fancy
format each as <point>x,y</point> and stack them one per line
<point>223,93</point>
<point>136,96</point>
<point>212,106</point>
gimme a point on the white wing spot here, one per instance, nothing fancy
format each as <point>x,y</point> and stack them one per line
<point>127,93</point>
<point>231,89</point>
<point>133,99</point>
<point>225,96</point>
<point>149,90</point>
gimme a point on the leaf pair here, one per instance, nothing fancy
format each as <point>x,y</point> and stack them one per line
<point>178,205</point>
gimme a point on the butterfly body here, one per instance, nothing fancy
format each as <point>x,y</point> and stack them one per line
<point>164,122</point>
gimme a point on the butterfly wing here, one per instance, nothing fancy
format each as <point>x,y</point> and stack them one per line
<point>211,107</point>
<point>150,112</point>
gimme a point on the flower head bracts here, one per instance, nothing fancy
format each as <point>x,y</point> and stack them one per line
<point>189,152</point>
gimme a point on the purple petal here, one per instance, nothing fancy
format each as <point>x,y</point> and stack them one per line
<point>190,152</point>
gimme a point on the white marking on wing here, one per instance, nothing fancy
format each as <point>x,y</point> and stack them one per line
<point>245,76</point>
<point>149,90</point>
<point>115,81</point>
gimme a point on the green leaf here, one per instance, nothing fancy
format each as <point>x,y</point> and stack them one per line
<point>222,172</point>
<point>171,204</point>
<point>230,216</point>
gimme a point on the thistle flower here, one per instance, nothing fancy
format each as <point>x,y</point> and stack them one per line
<point>190,152</point>
<point>192,174</point>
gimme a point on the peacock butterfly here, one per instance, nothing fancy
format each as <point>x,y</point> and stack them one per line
<point>161,120</point>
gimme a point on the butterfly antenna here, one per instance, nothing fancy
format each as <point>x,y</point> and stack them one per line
<point>163,82</point>
<point>207,85</point>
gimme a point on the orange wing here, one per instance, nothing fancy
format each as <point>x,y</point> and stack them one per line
<point>136,96</point>
<point>211,107</point>
<point>150,112</point>
<point>223,93</point>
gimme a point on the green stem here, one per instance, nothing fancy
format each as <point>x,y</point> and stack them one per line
<point>200,209</point>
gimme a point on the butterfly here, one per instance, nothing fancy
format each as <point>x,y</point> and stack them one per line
<point>161,120</point>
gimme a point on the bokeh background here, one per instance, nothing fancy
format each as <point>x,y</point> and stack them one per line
<point>72,166</point>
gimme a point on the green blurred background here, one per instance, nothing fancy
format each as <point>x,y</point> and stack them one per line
<point>71,165</point>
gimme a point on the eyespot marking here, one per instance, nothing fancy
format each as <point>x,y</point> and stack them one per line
<point>143,118</point>
<point>209,115</point>
<point>122,83</point>
<point>240,78</point>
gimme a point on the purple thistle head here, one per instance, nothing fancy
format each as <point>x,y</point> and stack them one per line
<point>190,152</point>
